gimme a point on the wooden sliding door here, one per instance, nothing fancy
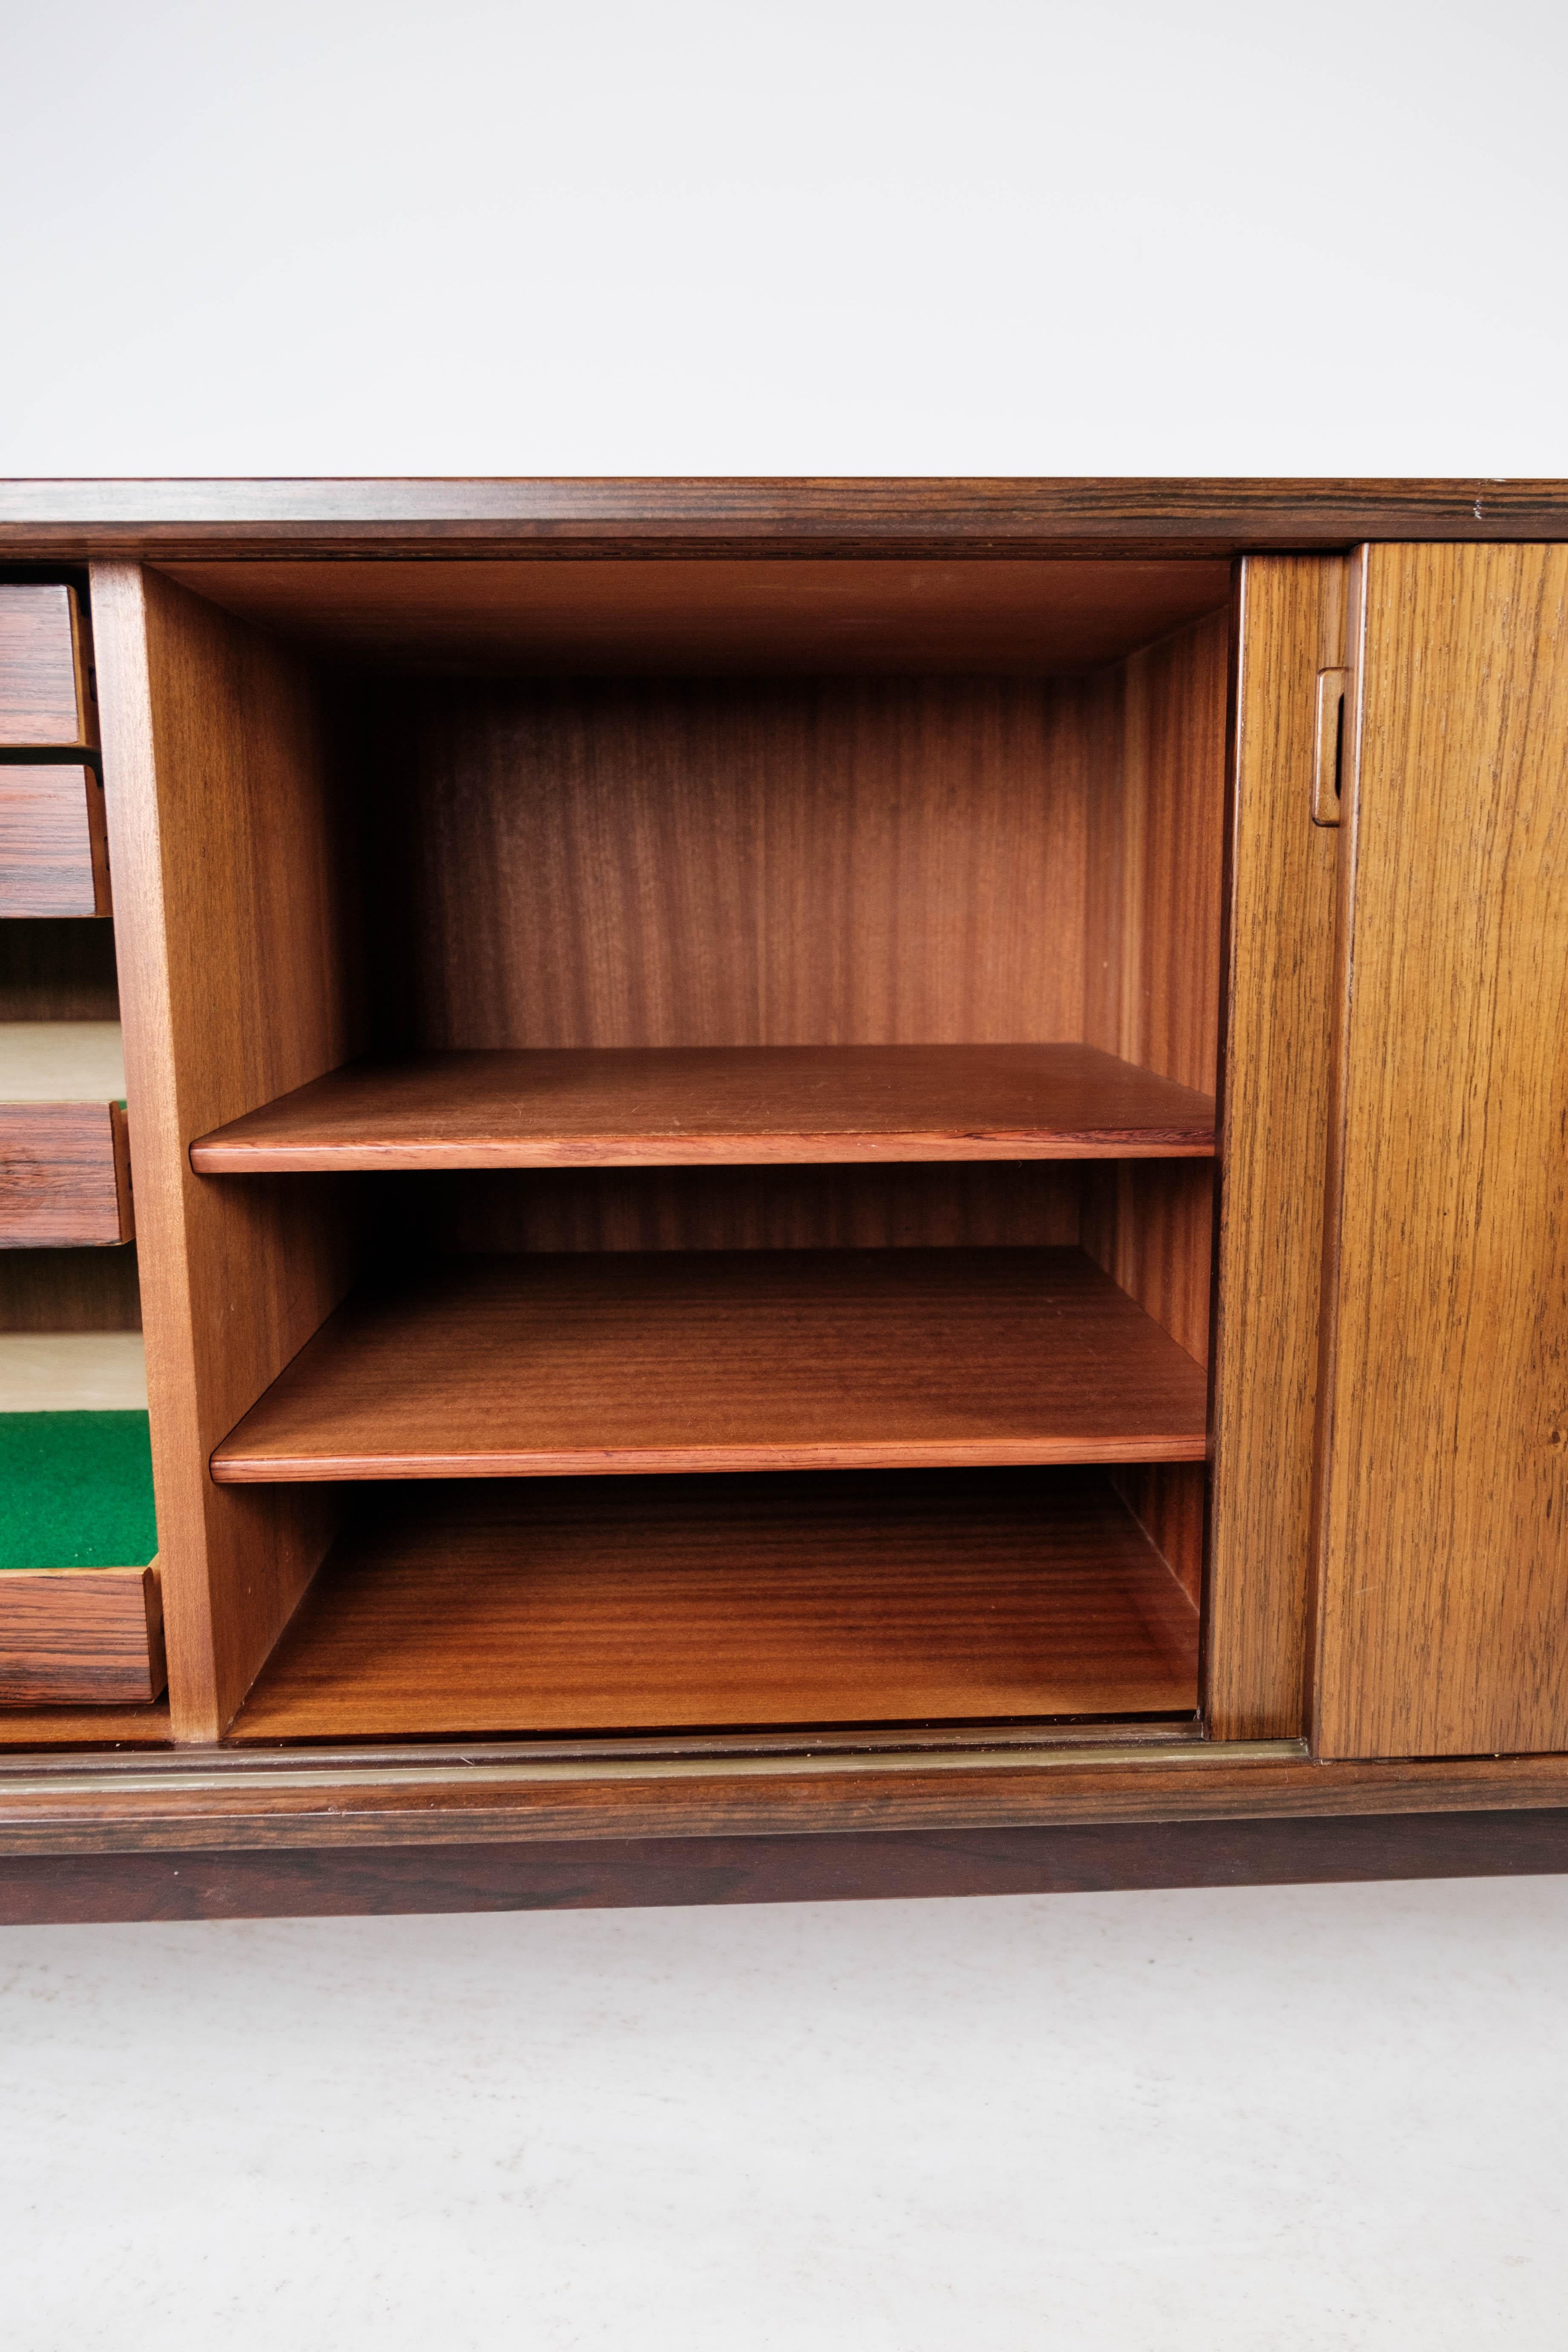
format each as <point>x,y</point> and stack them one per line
<point>1443,1516</point>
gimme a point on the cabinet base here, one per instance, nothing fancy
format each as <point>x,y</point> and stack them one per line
<point>595,1873</point>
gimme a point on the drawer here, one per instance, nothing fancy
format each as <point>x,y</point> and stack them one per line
<point>80,1610</point>
<point>81,1637</point>
<point>53,857</point>
<point>64,1175</point>
<point>45,683</point>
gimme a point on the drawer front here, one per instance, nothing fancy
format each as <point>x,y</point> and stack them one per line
<point>81,1637</point>
<point>65,1178</point>
<point>53,857</point>
<point>46,700</point>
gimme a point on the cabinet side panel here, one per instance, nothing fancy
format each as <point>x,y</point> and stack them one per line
<point>229,944</point>
<point>1156,819</point>
<point>1444,1601</point>
<point>1273,1143</point>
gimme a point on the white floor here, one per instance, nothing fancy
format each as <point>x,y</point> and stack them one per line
<point>1270,2120</point>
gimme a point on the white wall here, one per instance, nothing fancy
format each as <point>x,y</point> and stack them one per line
<point>835,236</point>
<point>992,238</point>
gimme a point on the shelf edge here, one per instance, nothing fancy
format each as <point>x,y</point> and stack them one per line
<point>253,1470</point>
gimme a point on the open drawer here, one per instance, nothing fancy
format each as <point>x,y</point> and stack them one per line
<point>80,1609</point>
<point>64,1170</point>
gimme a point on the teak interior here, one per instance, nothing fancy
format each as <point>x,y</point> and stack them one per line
<point>670,616</point>
<point>584,811</point>
<point>618,880</point>
<point>714,1604</point>
<point>627,1106</point>
<point>482,1367</point>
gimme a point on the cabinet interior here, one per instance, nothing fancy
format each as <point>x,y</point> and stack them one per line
<point>709,1133</point>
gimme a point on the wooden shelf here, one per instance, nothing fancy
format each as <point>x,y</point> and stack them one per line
<point>500,1367</point>
<point>724,1603</point>
<point>659,1107</point>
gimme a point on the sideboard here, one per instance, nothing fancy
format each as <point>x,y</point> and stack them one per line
<point>837,1188</point>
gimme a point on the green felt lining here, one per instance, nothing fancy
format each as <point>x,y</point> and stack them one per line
<point>76,1490</point>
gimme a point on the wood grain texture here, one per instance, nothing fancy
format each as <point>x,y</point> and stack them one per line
<point>1155,845</point>
<point>1151,996</point>
<point>45,697</point>
<point>81,1637</point>
<point>1168,1500</point>
<point>232,954</point>
<point>1150,1223</point>
<point>714,1360</point>
<point>909,1205</point>
<point>1444,1589</point>
<point>1153,967</point>
<point>712,1603</point>
<point>26,1731</point>
<point>1275,1098</point>
<point>58,970</point>
<point>1328,747</point>
<point>617,1874</point>
<point>818,863</point>
<point>190,518</point>
<point>359,1797</point>
<point>641,1108</point>
<point>65,1177</point>
<point>752,618</point>
<point>53,857</point>
<point>69,1290</point>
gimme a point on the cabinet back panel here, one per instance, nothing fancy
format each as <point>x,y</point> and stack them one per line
<point>866,862</point>
<point>57,968</point>
<point>958,1204</point>
<point>69,1289</point>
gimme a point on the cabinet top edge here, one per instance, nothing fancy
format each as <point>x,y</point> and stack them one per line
<point>189,518</point>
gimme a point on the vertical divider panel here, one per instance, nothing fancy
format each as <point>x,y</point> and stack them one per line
<point>1274,1119</point>
<point>1152,997</point>
<point>236,985</point>
<point>1153,985</point>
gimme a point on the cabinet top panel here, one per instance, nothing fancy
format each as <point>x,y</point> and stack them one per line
<point>66,520</point>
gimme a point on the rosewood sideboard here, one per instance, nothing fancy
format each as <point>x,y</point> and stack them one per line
<point>837,1188</point>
